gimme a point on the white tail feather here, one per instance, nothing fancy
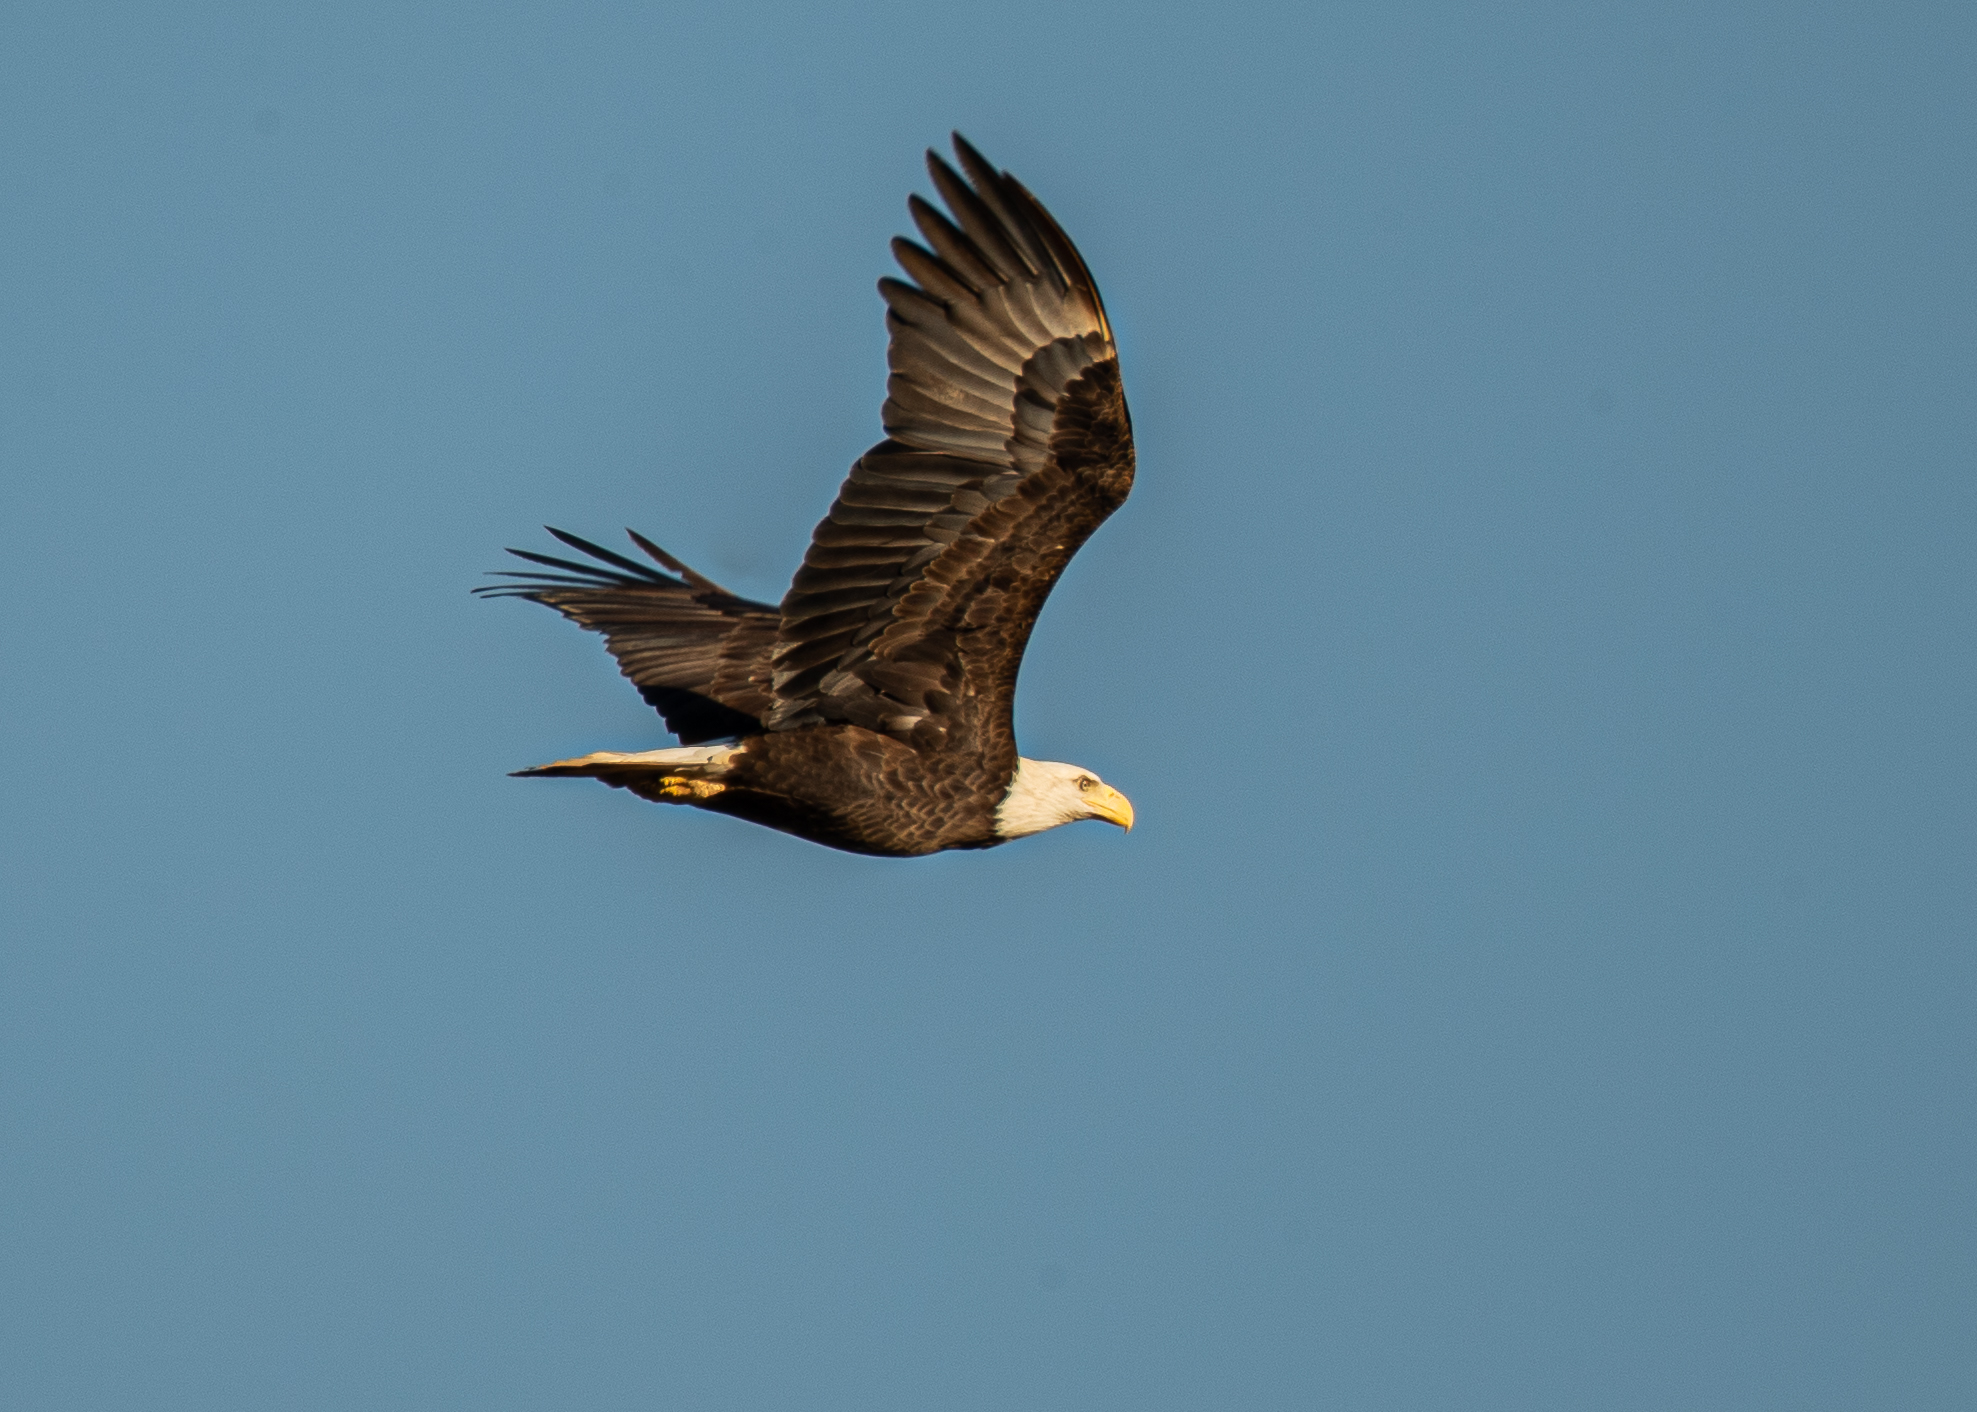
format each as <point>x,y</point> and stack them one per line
<point>699,761</point>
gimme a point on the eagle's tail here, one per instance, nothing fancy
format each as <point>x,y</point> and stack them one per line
<point>679,776</point>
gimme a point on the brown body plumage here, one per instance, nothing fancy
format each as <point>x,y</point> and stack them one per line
<point>873,709</point>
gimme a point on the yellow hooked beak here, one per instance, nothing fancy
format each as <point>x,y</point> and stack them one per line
<point>1110,805</point>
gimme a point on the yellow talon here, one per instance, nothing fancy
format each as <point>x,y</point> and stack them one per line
<point>678,787</point>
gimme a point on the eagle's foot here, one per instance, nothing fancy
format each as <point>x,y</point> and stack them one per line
<point>679,787</point>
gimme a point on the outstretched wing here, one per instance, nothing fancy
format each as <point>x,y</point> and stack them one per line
<point>1008,443</point>
<point>697,653</point>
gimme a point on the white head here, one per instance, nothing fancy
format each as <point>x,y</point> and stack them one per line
<point>1045,794</point>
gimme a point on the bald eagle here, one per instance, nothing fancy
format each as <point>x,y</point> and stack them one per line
<point>872,710</point>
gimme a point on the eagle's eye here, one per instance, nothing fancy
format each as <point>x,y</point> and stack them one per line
<point>1085,783</point>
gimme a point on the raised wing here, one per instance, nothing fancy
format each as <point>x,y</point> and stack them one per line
<point>1008,443</point>
<point>697,653</point>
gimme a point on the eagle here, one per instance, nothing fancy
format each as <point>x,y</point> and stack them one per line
<point>872,710</point>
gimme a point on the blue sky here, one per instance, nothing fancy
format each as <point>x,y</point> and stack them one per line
<point>1538,648</point>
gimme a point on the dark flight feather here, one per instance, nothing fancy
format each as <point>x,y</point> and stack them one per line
<point>688,644</point>
<point>599,552</point>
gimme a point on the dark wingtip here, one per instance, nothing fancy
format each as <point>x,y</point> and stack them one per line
<point>693,577</point>
<point>937,163</point>
<point>500,590</point>
<point>981,172</point>
<point>966,151</point>
<point>659,556</point>
<point>608,556</point>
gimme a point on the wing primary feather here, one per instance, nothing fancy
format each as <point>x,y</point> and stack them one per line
<point>598,551</point>
<point>596,574</point>
<point>985,354</point>
<point>1066,254</point>
<point>935,275</point>
<point>952,244</point>
<point>698,580</point>
<point>529,582</point>
<point>976,218</point>
<point>988,183</point>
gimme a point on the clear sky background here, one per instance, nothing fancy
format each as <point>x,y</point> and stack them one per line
<point>1540,649</point>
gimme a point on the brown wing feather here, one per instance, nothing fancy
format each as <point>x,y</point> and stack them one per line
<point>1008,443</point>
<point>698,654</point>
